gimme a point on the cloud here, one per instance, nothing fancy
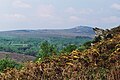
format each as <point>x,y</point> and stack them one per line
<point>15,17</point>
<point>74,19</point>
<point>111,19</point>
<point>71,10</point>
<point>116,6</point>
<point>19,3</point>
<point>84,11</point>
<point>45,11</point>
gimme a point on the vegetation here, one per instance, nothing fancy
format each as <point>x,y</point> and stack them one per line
<point>46,49</point>
<point>8,63</point>
<point>99,62</point>
<point>30,46</point>
<point>69,48</point>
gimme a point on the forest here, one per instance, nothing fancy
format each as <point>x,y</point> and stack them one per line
<point>31,46</point>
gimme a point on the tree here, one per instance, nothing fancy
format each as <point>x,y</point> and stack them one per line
<point>97,39</point>
<point>8,63</point>
<point>87,44</point>
<point>46,49</point>
<point>69,48</point>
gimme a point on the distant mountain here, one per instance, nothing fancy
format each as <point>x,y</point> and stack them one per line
<point>79,31</point>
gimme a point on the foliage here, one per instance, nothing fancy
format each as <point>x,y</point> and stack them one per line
<point>81,48</point>
<point>97,39</point>
<point>30,46</point>
<point>87,44</point>
<point>46,49</point>
<point>8,63</point>
<point>69,48</point>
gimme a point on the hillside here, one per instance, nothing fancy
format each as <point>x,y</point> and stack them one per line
<point>17,57</point>
<point>73,32</point>
<point>100,62</point>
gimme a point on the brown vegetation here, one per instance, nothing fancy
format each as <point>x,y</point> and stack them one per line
<point>16,56</point>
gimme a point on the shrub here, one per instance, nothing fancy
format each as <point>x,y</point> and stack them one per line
<point>8,63</point>
<point>69,48</point>
<point>46,49</point>
<point>81,48</point>
<point>87,44</point>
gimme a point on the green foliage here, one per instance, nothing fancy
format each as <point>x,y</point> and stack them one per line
<point>69,48</point>
<point>46,49</point>
<point>97,39</point>
<point>81,48</point>
<point>30,46</point>
<point>8,63</point>
<point>87,44</point>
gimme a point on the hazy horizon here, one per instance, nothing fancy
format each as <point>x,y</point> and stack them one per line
<point>46,28</point>
<point>58,14</point>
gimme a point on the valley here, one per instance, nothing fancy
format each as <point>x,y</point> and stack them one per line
<point>28,41</point>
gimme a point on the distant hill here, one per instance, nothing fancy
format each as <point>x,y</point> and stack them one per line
<point>83,31</point>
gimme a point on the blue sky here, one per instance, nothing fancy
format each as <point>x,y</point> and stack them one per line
<point>58,14</point>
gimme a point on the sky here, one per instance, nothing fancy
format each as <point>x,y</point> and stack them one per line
<point>58,14</point>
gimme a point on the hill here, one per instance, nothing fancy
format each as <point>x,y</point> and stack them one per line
<point>100,62</point>
<point>83,31</point>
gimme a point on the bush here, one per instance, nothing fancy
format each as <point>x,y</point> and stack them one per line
<point>87,44</point>
<point>81,48</point>
<point>8,63</point>
<point>69,48</point>
<point>46,50</point>
<point>97,39</point>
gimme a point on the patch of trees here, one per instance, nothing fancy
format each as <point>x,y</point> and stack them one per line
<point>8,63</point>
<point>30,46</point>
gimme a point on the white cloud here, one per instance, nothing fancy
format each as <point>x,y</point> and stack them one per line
<point>111,19</point>
<point>45,11</point>
<point>70,10</point>
<point>74,19</point>
<point>18,16</point>
<point>15,17</point>
<point>19,3</point>
<point>84,11</point>
<point>116,6</point>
